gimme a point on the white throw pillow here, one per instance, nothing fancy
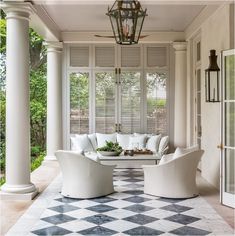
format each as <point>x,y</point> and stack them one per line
<point>93,140</point>
<point>138,142</point>
<point>153,143</point>
<point>81,143</point>
<point>166,158</point>
<point>123,140</point>
<point>147,135</point>
<point>178,152</point>
<point>181,151</point>
<point>102,138</point>
<point>163,144</point>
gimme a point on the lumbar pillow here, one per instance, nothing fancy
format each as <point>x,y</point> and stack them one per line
<point>81,143</point>
<point>153,143</point>
<point>123,140</point>
<point>92,138</point>
<point>163,143</point>
<point>138,142</point>
<point>102,138</point>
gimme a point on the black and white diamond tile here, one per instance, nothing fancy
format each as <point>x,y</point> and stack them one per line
<point>128,211</point>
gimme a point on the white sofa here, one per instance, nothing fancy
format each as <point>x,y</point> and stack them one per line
<point>175,176</point>
<point>83,177</point>
<point>90,142</point>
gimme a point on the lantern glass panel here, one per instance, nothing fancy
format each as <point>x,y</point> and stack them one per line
<point>114,24</point>
<point>212,86</point>
<point>138,29</point>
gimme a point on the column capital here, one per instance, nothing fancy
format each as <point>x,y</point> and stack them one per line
<point>17,10</point>
<point>54,46</point>
<point>180,46</point>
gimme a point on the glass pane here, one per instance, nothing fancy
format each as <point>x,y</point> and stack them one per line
<point>230,124</point>
<point>230,77</point>
<point>198,102</point>
<point>199,80</point>
<point>199,143</point>
<point>130,102</point>
<point>79,103</point>
<point>198,51</point>
<point>156,103</point>
<point>105,102</point>
<point>229,171</point>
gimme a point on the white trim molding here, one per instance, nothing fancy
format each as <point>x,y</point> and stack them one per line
<point>89,37</point>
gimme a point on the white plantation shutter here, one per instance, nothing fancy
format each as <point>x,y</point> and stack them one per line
<point>104,56</point>
<point>79,56</point>
<point>130,98</point>
<point>156,56</point>
<point>130,57</point>
<point>105,98</point>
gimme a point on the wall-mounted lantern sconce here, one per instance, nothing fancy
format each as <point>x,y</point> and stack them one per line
<point>212,79</point>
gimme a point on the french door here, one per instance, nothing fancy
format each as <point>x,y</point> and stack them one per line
<point>228,129</point>
<point>118,102</point>
<point>117,89</point>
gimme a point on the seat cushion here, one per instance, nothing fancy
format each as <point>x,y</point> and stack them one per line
<point>138,142</point>
<point>81,143</point>
<point>153,143</point>
<point>102,138</point>
<point>92,156</point>
<point>123,140</point>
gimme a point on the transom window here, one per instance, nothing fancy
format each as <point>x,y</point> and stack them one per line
<point>115,88</point>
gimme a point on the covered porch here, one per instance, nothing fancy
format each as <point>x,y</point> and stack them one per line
<point>180,35</point>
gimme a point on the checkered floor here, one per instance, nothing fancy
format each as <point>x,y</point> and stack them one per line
<point>128,211</point>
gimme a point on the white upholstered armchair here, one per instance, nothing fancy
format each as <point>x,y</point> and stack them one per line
<point>83,177</point>
<point>175,178</point>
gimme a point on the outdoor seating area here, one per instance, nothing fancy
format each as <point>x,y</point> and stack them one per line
<point>117,117</point>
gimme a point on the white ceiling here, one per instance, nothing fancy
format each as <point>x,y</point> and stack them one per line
<point>88,18</point>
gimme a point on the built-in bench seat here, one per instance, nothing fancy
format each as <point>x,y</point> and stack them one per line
<point>83,143</point>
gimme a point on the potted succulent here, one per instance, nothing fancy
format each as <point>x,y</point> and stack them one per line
<point>110,149</point>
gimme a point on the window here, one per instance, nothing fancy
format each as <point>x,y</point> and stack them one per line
<point>123,89</point>
<point>156,84</point>
<point>79,103</point>
<point>130,102</point>
<point>105,102</point>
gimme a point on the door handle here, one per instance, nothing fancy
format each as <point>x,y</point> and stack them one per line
<point>220,146</point>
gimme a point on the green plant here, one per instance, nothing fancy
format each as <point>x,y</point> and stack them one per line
<point>2,180</point>
<point>35,163</point>
<point>111,147</point>
<point>35,151</point>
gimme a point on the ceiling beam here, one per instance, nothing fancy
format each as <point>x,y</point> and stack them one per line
<point>42,23</point>
<point>198,21</point>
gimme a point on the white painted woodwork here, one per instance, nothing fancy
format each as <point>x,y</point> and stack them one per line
<point>54,99</point>
<point>17,102</point>
<point>180,93</point>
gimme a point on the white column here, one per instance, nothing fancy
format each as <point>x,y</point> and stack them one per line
<point>180,94</point>
<point>17,103</point>
<point>54,99</point>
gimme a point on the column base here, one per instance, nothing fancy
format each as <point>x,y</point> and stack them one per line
<point>17,196</point>
<point>50,158</point>
<point>18,192</point>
